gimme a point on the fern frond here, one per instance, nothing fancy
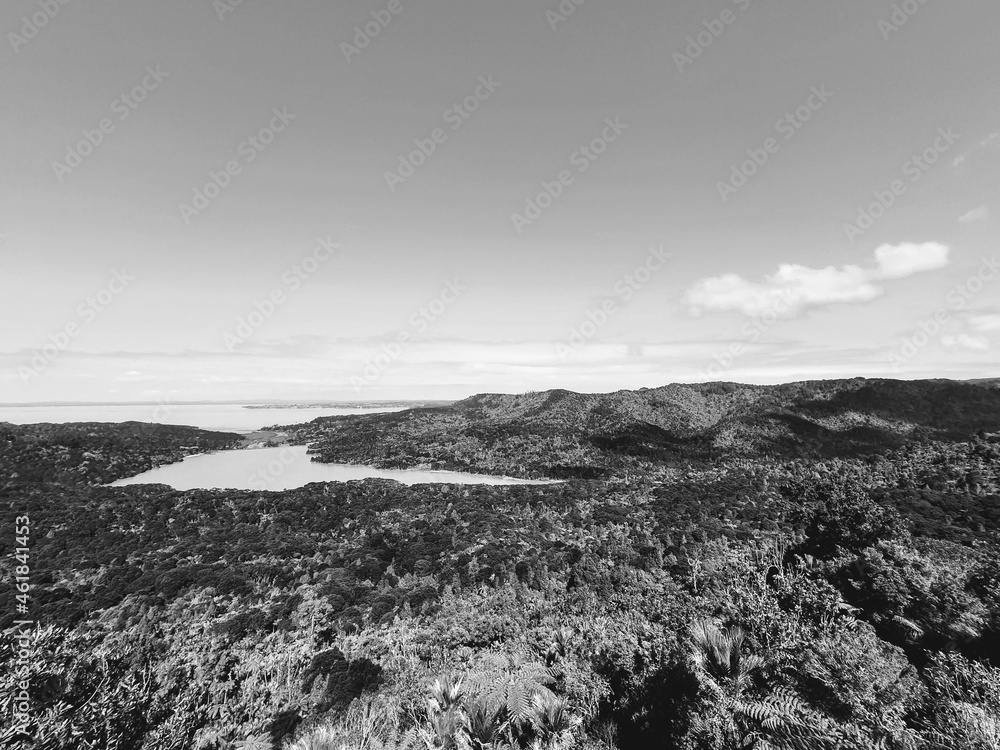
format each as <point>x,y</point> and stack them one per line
<point>910,625</point>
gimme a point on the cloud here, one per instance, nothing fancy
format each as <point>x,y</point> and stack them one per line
<point>906,259</point>
<point>965,341</point>
<point>974,336</point>
<point>991,142</point>
<point>977,214</point>
<point>988,322</point>
<point>793,288</point>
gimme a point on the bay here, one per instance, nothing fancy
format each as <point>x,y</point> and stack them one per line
<point>288,467</point>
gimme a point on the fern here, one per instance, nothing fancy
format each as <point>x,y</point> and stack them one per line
<point>911,626</point>
<point>484,722</point>
<point>446,693</point>
<point>782,721</point>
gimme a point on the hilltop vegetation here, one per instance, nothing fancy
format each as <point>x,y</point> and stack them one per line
<point>757,601</point>
<point>565,434</point>
<point>97,452</point>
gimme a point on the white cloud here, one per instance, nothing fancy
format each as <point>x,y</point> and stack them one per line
<point>908,258</point>
<point>977,214</point>
<point>793,288</point>
<point>965,341</point>
<point>992,141</point>
<point>988,322</point>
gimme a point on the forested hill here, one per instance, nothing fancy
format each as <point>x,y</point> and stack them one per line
<point>939,405</point>
<point>91,453</point>
<point>562,433</point>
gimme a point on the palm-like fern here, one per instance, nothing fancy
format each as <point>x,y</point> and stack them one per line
<point>446,728</point>
<point>559,646</point>
<point>446,694</point>
<point>718,656</point>
<point>484,723</point>
<point>444,714</point>
<point>511,705</point>
<point>550,717</point>
<point>780,721</point>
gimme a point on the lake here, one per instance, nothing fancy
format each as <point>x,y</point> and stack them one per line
<point>220,417</point>
<point>285,468</point>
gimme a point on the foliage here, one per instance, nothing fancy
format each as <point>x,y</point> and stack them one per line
<point>779,598</point>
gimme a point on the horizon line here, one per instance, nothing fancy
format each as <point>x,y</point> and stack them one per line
<point>333,403</point>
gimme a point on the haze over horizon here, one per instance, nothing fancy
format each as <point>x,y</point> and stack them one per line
<point>166,405</point>
<point>493,198</point>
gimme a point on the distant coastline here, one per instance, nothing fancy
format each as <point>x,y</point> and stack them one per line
<point>351,405</point>
<point>247,403</point>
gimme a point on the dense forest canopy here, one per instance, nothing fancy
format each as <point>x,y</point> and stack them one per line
<point>565,434</point>
<point>804,566</point>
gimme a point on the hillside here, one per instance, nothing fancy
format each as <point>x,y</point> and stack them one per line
<point>90,453</point>
<point>565,434</point>
<point>845,604</point>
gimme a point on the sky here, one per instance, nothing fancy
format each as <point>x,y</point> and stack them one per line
<point>433,198</point>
